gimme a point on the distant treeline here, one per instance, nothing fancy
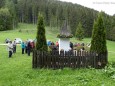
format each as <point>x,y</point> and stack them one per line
<point>55,12</point>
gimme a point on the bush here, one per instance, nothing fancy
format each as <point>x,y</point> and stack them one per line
<point>20,30</point>
<point>5,20</point>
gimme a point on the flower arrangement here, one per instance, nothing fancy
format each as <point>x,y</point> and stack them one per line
<point>64,36</point>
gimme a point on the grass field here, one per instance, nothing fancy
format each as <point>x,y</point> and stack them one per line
<point>27,31</point>
<point>17,71</point>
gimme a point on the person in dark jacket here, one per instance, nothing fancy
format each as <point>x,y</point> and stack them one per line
<point>14,46</point>
<point>26,46</point>
<point>71,45</point>
<point>29,48</point>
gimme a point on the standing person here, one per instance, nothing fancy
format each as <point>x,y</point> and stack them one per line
<point>49,43</point>
<point>23,47</point>
<point>57,44</point>
<point>10,48</point>
<point>14,46</point>
<point>29,48</point>
<point>26,46</point>
<point>71,45</point>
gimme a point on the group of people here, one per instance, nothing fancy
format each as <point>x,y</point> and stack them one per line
<point>26,47</point>
<point>53,46</point>
<point>49,43</point>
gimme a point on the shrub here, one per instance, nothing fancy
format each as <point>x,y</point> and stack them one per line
<point>5,20</point>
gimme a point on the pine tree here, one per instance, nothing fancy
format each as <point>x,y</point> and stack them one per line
<point>79,32</point>
<point>98,42</point>
<point>41,38</point>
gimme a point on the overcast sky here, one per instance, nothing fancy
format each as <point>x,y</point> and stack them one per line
<point>108,6</point>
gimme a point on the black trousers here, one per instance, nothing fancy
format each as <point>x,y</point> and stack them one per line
<point>14,49</point>
<point>28,52</point>
<point>26,49</point>
<point>10,54</point>
<point>22,50</point>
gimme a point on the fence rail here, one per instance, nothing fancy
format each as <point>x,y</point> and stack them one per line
<point>72,59</point>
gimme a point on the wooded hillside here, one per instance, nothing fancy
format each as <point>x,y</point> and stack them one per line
<point>55,12</point>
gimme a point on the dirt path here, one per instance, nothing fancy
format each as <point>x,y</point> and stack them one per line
<point>3,44</point>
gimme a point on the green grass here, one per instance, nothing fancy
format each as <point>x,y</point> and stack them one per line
<point>27,31</point>
<point>17,71</point>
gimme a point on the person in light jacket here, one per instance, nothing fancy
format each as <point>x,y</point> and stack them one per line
<point>10,48</point>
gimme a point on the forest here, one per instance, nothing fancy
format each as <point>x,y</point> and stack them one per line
<point>55,12</point>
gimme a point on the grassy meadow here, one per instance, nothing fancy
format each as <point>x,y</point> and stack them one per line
<point>17,71</point>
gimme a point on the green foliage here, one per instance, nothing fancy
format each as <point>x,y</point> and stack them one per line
<point>12,7</point>
<point>110,70</point>
<point>79,32</point>
<point>64,36</point>
<point>2,3</point>
<point>98,42</point>
<point>17,71</point>
<point>54,11</point>
<point>112,34</point>
<point>108,21</point>
<point>41,38</point>
<point>5,19</point>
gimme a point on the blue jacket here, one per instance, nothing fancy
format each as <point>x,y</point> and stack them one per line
<point>23,45</point>
<point>49,43</point>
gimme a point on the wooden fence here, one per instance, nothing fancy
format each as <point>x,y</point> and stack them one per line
<point>72,59</point>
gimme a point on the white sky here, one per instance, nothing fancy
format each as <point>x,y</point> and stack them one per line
<point>108,6</point>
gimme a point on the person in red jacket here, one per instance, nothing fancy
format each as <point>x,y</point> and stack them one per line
<point>57,44</point>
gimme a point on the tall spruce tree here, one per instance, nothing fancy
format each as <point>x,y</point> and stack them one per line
<point>79,32</point>
<point>98,42</point>
<point>41,38</point>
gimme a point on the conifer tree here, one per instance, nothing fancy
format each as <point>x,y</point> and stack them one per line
<point>41,38</point>
<point>79,32</point>
<point>98,42</point>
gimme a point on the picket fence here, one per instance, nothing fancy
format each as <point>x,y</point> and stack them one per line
<point>72,59</point>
